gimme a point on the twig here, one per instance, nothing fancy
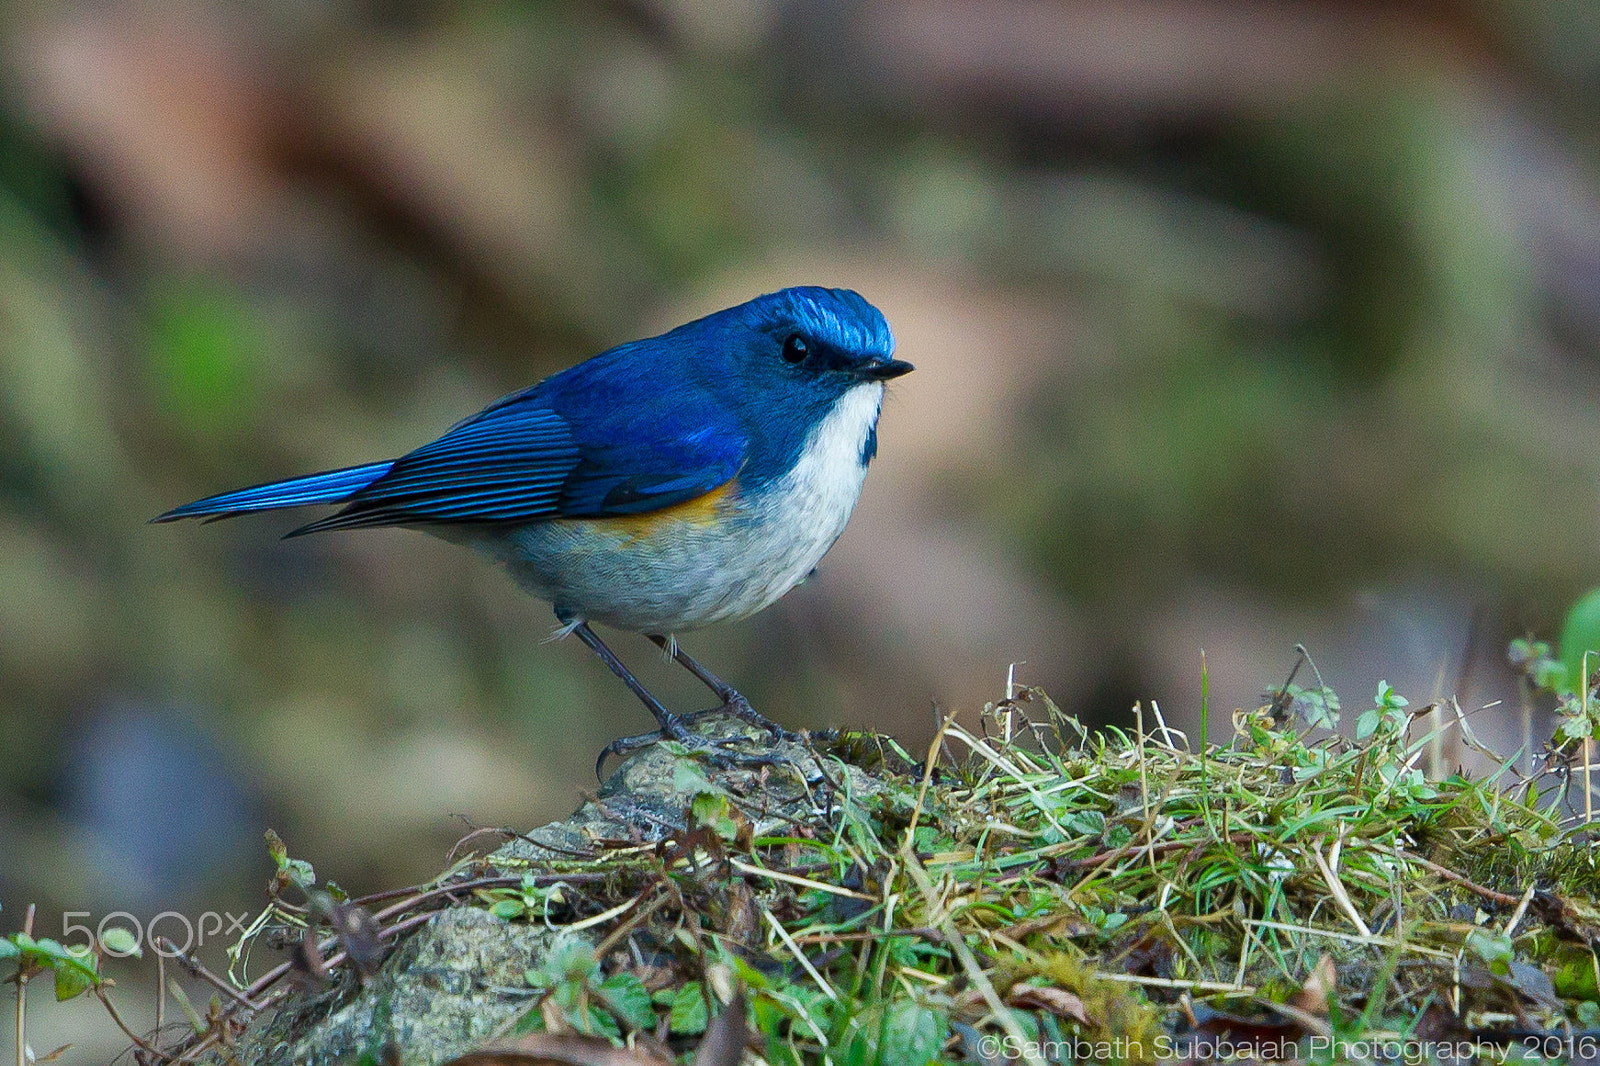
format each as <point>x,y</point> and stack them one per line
<point>105,1001</point>
<point>1373,941</point>
<point>1167,982</point>
<point>22,994</point>
<point>1341,898</point>
<point>405,925</point>
<point>598,919</point>
<point>200,1048</point>
<point>1516,915</point>
<point>392,893</point>
<point>484,882</point>
<point>197,970</point>
<point>161,991</point>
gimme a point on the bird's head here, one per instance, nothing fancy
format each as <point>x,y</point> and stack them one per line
<point>825,340</point>
<point>787,361</point>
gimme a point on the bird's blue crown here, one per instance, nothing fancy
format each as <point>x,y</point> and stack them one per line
<point>837,317</point>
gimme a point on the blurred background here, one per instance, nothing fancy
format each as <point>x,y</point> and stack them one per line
<point>1237,324</point>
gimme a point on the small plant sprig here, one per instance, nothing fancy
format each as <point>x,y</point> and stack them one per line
<point>576,993</point>
<point>1567,672</point>
<point>1577,717</point>
<point>1318,707</point>
<point>1387,717</point>
<point>75,968</point>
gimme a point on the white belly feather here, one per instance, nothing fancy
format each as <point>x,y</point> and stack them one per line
<point>713,572</point>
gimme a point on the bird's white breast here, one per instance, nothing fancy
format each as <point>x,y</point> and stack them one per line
<point>694,573</point>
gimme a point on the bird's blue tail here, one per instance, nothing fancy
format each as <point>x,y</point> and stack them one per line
<point>332,486</point>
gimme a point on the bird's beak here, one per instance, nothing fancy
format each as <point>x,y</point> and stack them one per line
<point>883,370</point>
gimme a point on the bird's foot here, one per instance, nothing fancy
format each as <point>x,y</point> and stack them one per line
<point>715,750</point>
<point>740,708</point>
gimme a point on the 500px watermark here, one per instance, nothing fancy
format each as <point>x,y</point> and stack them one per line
<point>168,934</point>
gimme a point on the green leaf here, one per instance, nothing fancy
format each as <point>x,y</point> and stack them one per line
<point>752,977</point>
<point>1581,633</point>
<point>1388,699</point>
<point>1495,950</point>
<point>298,871</point>
<point>301,874</point>
<point>508,909</point>
<point>687,777</point>
<point>570,958</point>
<point>1086,822</point>
<point>708,808</point>
<point>120,941</point>
<point>277,848</point>
<point>1367,724</point>
<point>912,1034</point>
<point>72,981</point>
<point>629,1000</point>
<point>688,1010</point>
<point>53,951</point>
<point>182,999</point>
<point>597,1022</point>
<point>8,950</point>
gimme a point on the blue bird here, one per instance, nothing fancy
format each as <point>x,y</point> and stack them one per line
<point>659,486</point>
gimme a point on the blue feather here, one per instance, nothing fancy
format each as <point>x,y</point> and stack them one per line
<point>569,447</point>
<point>333,486</point>
<point>838,317</point>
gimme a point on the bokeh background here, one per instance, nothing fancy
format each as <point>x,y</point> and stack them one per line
<point>1237,324</point>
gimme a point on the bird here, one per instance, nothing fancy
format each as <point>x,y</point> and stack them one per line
<point>662,485</point>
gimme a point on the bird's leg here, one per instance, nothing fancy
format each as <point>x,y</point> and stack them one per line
<point>671,725</point>
<point>732,702</point>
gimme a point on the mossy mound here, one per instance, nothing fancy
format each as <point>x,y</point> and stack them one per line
<point>1035,892</point>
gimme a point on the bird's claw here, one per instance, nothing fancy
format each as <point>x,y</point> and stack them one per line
<point>717,751</point>
<point>740,708</point>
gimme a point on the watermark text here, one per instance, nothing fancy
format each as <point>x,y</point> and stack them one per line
<point>169,934</point>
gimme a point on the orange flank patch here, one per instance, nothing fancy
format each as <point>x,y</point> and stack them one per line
<point>700,511</point>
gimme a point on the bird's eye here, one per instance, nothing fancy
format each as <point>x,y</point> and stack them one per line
<point>795,349</point>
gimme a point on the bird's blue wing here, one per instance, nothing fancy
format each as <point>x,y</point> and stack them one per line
<point>574,446</point>
<point>624,476</point>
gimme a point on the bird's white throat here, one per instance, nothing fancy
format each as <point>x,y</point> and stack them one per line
<point>826,480</point>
